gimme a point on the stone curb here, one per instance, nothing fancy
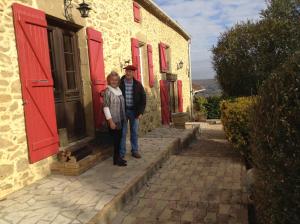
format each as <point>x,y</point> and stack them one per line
<point>190,138</point>
<point>111,209</point>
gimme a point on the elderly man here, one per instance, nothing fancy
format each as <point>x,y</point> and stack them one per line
<point>135,103</point>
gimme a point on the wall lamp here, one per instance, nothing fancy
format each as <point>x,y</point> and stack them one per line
<point>83,8</point>
<point>180,65</point>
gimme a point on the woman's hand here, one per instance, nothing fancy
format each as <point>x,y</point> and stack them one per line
<point>101,93</point>
<point>112,125</point>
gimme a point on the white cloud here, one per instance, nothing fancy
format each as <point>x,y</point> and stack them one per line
<point>205,20</point>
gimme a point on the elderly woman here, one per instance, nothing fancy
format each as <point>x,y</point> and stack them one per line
<point>114,110</point>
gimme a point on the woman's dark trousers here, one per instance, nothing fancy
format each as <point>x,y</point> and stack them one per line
<point>116,135</point>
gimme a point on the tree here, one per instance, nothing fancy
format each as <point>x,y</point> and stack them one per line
<point>234,60</point>
<point>282,10</point>
<point>246,54</point>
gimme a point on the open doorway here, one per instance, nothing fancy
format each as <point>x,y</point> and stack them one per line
<point>65,69</point>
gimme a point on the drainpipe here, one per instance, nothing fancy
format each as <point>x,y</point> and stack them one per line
<point>190,76</point>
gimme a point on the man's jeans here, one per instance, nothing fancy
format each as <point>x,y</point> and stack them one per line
<point>134,126</point>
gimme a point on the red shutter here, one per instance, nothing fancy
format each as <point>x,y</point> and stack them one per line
<point>136,12</point>
<point>37,83</point>
<point>180,100</point>
<point>150,65</point>
<point>98,82</point>
<point>136,58</point>
<point>163,58</point>
<point>165,99</point>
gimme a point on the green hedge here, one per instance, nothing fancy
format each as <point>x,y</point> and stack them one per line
<point>235,117</point>
<point>210,106</point>
<point>275,134</point>
<point>213,107</point>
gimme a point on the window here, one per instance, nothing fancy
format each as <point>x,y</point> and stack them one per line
<point>145,67</point>
<point>135,49</point>
<point>168,54</point>
<point>150,65</point>
<point>165,58</point>
<point>141,63</point>
<point>136,12</point>
<point>142,59</point>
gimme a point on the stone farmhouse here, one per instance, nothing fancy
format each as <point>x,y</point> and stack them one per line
<point>54,57</point>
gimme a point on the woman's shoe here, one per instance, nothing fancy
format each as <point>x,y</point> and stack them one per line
<point>120,163</point>
<point>123,160</point>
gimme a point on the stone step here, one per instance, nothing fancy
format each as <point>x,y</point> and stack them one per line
<point>182,138</point>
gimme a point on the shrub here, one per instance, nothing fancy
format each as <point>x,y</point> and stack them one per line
<point>213,107</point>
<point>209,106</point>
<point>200,113</point>
<point>200,103</point>
<point>276,146</point>
<point>235,117</point>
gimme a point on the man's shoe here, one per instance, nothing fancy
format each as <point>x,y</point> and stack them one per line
<point>136,155</point>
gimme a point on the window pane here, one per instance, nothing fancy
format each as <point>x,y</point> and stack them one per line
<point>71,83</point>
<point>168,56</point>
<point>69,59</point>
<point>68,44</point>
<point>52,62</point>
<point>141,64</point>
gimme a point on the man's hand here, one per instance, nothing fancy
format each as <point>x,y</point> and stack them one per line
<point>140,116</point>
<point>112,125</point>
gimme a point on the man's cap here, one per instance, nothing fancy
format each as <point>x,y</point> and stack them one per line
<point>130,67</point>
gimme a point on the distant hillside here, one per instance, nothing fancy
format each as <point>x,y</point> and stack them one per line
<point>211,85</point>
<point>197,86</point>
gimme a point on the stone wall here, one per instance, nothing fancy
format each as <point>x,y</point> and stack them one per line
<point>115,20</point>
<point>15,171</point>
<point>107,18</point>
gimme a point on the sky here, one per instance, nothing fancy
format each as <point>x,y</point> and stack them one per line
<point>204,20</point>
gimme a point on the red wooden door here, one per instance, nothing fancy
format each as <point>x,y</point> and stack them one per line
<point>165,101</point>
<point>37,83</point>
<point>95,45</point>
<point>180,99</point>
<point>136,58</point>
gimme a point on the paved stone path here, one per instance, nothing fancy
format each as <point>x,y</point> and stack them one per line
<point>204,184</point>
<point>61,199</point>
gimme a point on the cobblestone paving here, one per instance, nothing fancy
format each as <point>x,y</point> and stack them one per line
<point>61,199</point>
<point>201,185</point>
